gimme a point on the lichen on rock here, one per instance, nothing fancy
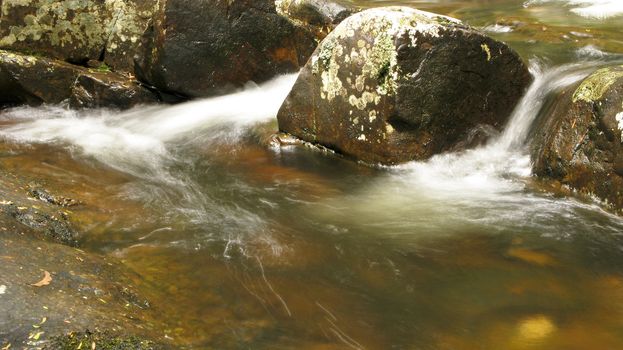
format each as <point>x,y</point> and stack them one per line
<point>394,84</point>
<point>580,142</point>
<point>593,88</point>
<point>77,30</point>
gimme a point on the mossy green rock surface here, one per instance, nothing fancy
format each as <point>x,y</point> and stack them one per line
<point>77,30</point>
<point>579,143</point>
<point>394,84</point>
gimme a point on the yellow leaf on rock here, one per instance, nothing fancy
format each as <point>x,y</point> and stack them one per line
<point>47,278</point>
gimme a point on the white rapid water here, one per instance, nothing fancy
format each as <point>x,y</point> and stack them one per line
<point>134,141</point>
<point>597,9</point>
<point>144,142</point>
<point>490,169</point>
<point>482,185</point>
<point>483,188</point>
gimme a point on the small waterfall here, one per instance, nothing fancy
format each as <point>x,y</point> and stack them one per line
<point>545,82</point>
<point>489,170</point>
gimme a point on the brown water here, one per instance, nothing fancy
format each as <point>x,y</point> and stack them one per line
<point>241,245</point>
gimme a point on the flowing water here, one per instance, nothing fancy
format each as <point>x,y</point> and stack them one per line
<point>243,245</point>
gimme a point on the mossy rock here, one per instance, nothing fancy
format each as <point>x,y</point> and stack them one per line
<point>395,84</point>
<point>579,143</point>
<point>77,31</point>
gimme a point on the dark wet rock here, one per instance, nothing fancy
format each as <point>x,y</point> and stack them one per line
<point>54,227</point>
<point>205,47</point>
<point>84,293</point>
<point>96,89</point>
<point>478,136</point>
<point>580,142</point>
<point>102,341</point>
<point>77,31</point>
<point>319,16</point>
<point>36,80</point>
<point>395,84</point>
<point>43,195</point>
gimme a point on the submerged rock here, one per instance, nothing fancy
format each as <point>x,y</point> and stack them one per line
<point>580,141</point>
<point>103,340</point>
<point>81,291</point>
<point>205,47</point>
<point>395,84</point>
<point>34,80</point>
<point>77,31</point>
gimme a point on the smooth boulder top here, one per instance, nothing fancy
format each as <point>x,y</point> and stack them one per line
<point>383,25</point>
<point>395,84</point>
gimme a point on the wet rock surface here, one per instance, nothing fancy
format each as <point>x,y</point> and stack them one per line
<point>319,16</point>
<point>102,340</point>
<point>77,31</point>
<point>34,80</point>
<point>201,48</point>
<point>394,84</point>
<point>50,289</point>
<point>580,142</point>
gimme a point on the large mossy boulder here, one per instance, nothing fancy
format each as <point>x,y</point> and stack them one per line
<point>33,81</point>
<point>205,47</point>
<point>394,84</point>
<point>77,31</point>
<point>580,142</point>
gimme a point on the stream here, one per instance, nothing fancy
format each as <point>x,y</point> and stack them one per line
<point>244,245</point>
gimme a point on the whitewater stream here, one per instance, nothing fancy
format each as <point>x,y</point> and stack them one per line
<point>246,245</point>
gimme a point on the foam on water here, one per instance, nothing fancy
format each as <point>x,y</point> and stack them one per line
<point>491,168</point>
<point>597,9</point>
<point>135,141</point>
<point>483,187</point>
<point>143,142</point>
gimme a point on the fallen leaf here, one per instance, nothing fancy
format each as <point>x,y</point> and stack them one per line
<point>93,346</point>
<point>2,289</point>
<point>47,278</point>
<point>7,347</point>
<point>37,335</point>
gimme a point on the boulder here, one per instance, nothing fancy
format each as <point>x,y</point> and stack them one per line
<point>579,144</point>
<point>77,31</point>
<point>35,80</point>
<point>394,84</point>
<point>319,16</point>
<point>206,47</point>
